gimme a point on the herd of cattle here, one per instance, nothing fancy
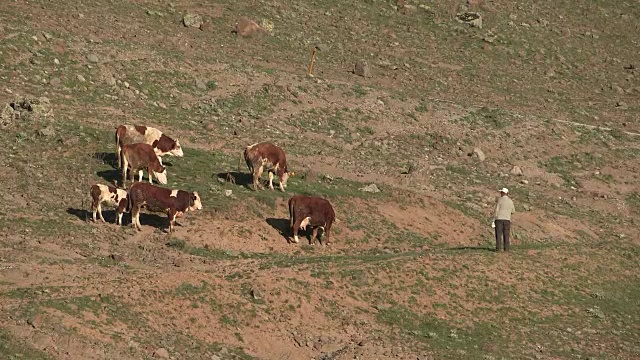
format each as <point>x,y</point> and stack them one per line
<point>140,148</point>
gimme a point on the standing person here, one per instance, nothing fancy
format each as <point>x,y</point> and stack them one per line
<point>502,219</point>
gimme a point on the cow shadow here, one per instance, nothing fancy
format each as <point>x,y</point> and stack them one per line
<point>87,215</point>
<point>155,220</point>
<point>472,248</point>
<point>282,225</point>
<point>111,176</point>
<point>106,158</point>
<point>237,178</point>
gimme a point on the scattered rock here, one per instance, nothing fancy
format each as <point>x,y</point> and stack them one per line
<point>622,105</point>
<point>35,321</point>
<point>55,81</point>
<point>161,353</point>
<point>93,58</point>
<point>117,258</point>
<point>256,293</point>
<point>139,104</point>
<point>7,113</point>
<point>80,78</point>
<point>178,262</point>
<point>162,105</point>
<point>526,207</point>
<point>201,85</point>
<point>372,188</point>
<point>471,18</point>
<point>516,170</point>
<point>228,192</point>
<point>215,357</point>
<point>477,152</point>
<point>192,20</point>
<point>247,27</point>
<point>47,131</point>
<point>111,81</point>
<point>524,182</point>
<point>361,69</point>
<point>56,61</point>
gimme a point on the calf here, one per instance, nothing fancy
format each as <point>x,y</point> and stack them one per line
<point>141,156</point>
<point>110,196</point>
<point>156,199</point>
<point>265,154</point>
<point>162,144</point>
<point>310,211</point>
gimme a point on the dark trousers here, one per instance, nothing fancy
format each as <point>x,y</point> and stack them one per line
<point>503,227</point>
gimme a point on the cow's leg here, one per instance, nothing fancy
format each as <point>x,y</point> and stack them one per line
<point>172,219</point>
<point>281,186</point>
<point>259,177</point>
<point>119,218</point>
<point>118,149</point>
<point>100,212</point>
<point>296,227</point>
<point>94,209</point>
<point>140,175</point>
<point>125,166</point>
<point>327,230</point>
<point>270,180</point>
<point>135,217</point>
<point>313,237</point>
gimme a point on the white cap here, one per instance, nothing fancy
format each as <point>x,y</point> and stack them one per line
<point>504,190</point>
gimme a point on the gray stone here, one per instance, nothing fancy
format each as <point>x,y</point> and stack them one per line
<point>47,131</point>
<point>111,81</point>
<point>162,105</point>
<point>477,152</point>
<point>471,18</point>
<point>192,20</point>
<point>80,78</point>
<point>516,170</point>
<point>372,188</point>
<point>93,58</point>
<point>361,69</point>
<point>201,85</point>
<point>161,353</point>
<point>256,293</point>
<point>55,81</point>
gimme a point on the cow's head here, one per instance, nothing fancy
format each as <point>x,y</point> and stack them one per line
<point>161,176</point>
<point>176,149</point>
<point>196,204</point>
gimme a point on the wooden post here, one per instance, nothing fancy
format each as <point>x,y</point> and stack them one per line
<point>313,58</point>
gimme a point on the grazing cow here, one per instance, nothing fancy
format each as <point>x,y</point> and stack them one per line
<point>310,211</point>
<point>265,154</point>
<point>110,196</point>
<point>141,156</point>
<point>156,199</point>
<point>131,134</point>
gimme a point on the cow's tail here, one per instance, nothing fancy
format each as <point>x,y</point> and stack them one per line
<point>129,200</point>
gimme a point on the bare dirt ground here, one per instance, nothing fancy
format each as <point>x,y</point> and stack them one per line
<point>447,114</point>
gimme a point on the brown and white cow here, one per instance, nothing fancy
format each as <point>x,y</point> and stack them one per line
<point>131,134</point>
<point>157,199</point>
<point>312,211</point>
<point>110,196</point>
<point>265,154</point>
<point>141,156</point>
